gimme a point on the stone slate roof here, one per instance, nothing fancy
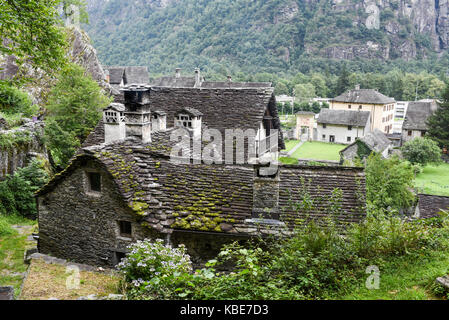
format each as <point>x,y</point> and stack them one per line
<point>221,108</point>
<point>417,114</point>
<point>136,75</point>
<point>430,205</point>
<point>129,75</point>
<point>227,84</point>
<point>306,113</point>
<point>174,82</point>
<point>217,198</point>
<point>115,74</point>
<point>192,111</point>
<point>376,140</point>
<point>343,117</point>
<point>363,96</point>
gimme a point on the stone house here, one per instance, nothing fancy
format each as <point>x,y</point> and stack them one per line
<point>380,106</point>
<point>305,124</point>
<point>116,191</point>
<point>375,141</point>
<point>429,205</point>
<point>119,77</point>
<point>415,120</point>
<point>342,126</point>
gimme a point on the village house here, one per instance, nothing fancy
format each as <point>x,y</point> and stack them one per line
<point>375,141</point>
<point>119,77</point>
<point>415,123</point>
<point>124,185</point>
<point>380,106</point>
<point>342,126</point>
<point>305,125</point>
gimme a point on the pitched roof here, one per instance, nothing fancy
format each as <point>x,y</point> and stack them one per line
<point>221,108</point>
<point>136,75</point>
<point>174,82</point>
<point>232,84</point>
<point>217,198</point>
<point>430,205</point>
<point>417,114</point>
<point>363,96</point>
<point>306,113</point>
<point>344,117</point>
<point>192,111</point>
<point>376,140</point>
<point>115,74</point>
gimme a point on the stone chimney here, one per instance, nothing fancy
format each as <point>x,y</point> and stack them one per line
<point>137,113</point>
<point>178,72</point>
<point>357,87</point>
<point>114,123</point>
<point>229,78</point>
<point>197,78</point>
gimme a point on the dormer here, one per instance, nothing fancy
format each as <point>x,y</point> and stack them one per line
<point>158,120</point>
<point>114,123</point>
<point>190,119</point>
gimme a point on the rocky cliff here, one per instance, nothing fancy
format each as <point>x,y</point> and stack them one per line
<point>24,143</point>
<point>267,34</point>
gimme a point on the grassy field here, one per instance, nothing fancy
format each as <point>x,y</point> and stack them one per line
<point>409,277</point>
<point>434,180</point>
<point>290,144</point>
<point>318,151</point>
<point>46,281</point>
<point>13,243</point>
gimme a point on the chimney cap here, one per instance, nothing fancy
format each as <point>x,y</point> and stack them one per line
<point>178,72</point>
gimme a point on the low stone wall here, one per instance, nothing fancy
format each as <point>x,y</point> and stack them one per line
<point>7,293</point>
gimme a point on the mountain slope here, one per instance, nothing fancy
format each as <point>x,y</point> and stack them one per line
<point>264,35</point>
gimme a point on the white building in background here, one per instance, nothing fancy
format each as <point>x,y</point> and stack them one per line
<point>283,99</point>
<point>342,126</point>
<point>400,110</point>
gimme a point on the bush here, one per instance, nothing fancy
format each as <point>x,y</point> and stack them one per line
<point>14,101</point>
<point>17,191</point>
<point>5,228</point>
<point>151,267</point>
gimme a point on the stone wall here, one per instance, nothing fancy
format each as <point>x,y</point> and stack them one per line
<point>80,226</point>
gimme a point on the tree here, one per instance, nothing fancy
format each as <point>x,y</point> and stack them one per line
<point>30,30</point>
<point>422,151</point>
<point>304,92</point>
<point>343,82</point>
<point>74,109</point>
<point>388,183</point>
<point>438,123</point>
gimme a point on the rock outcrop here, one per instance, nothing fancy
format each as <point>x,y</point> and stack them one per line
<point>26,144</point>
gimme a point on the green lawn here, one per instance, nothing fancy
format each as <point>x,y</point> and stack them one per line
<point>319,151</point>
<point>12,247</point>
<point>434,180</point>
<point>290,144</point>
<point>409,277</point>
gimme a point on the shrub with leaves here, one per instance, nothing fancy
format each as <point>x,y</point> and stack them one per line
<point>150,267</point>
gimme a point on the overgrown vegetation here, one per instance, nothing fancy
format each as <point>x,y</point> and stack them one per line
<point>17,191</point>
<point>316,263</point>
<point>74,109</point>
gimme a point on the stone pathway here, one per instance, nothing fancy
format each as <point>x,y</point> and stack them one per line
<point>295,148</point>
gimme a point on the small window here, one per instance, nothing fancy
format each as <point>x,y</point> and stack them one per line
<point>324,126</point>
<point>184,121</point>
<point>349,106</point>
<point>348,139</point>
<point>409,132</point>
<point>360,107</point>
<point>94,181</point>
<point>125,229</point>
<point>349,128</point>
<point>324,137</point>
